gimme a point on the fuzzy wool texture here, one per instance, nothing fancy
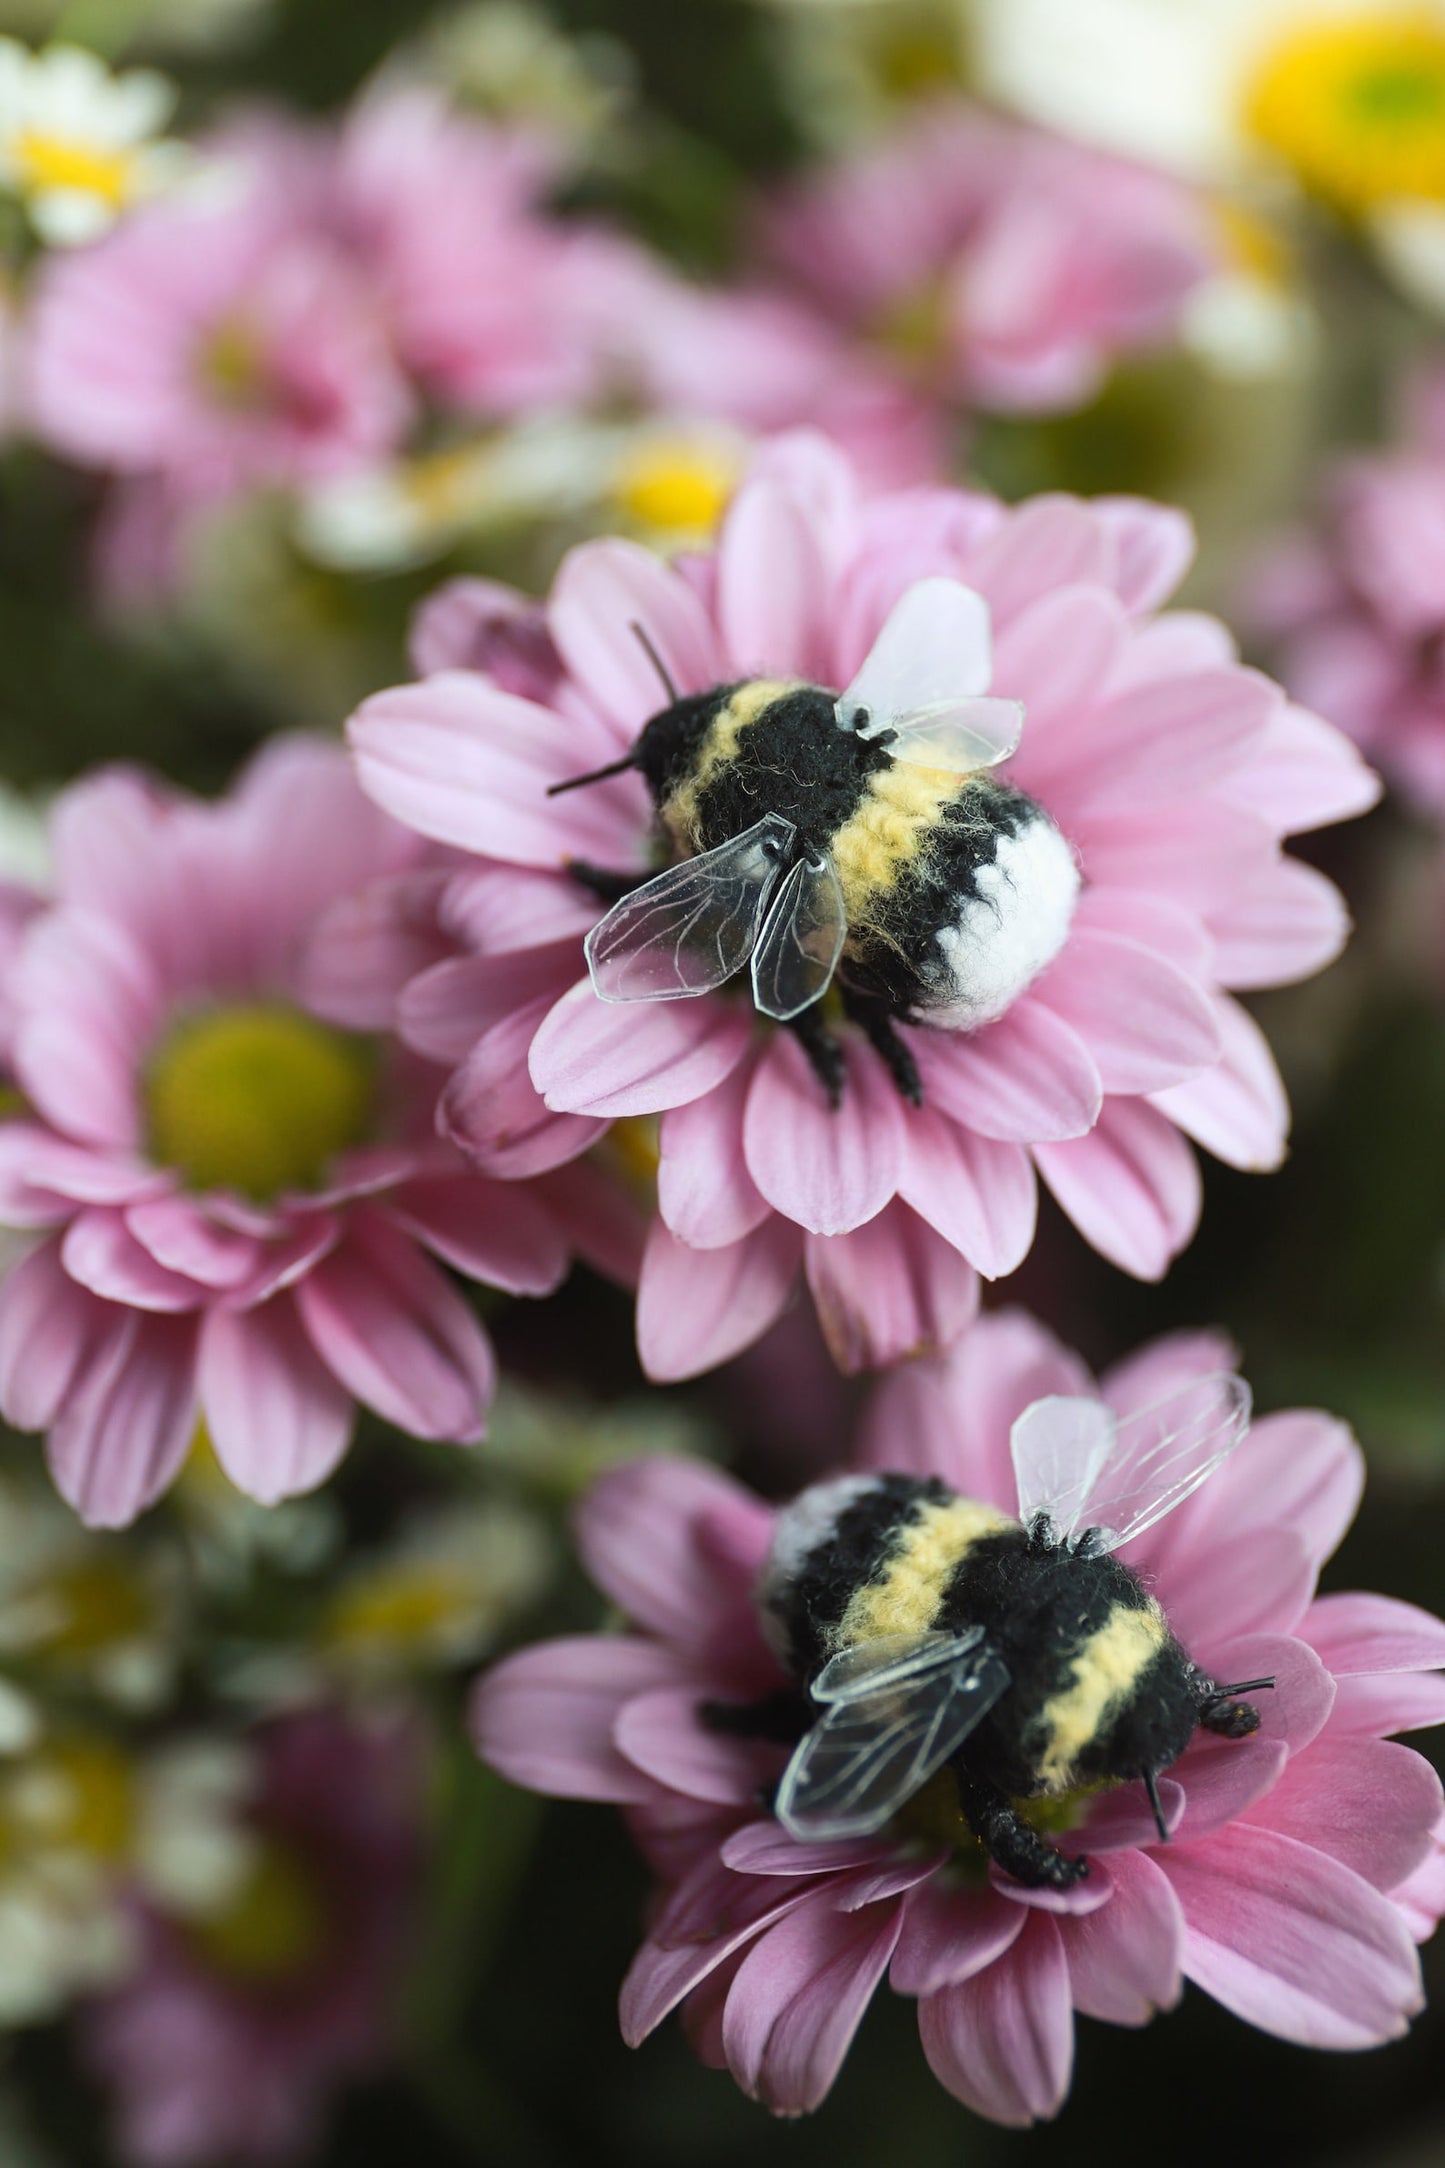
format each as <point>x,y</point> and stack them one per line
<point>1012,929</point>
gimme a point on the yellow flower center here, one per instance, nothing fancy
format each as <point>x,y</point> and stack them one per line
<point>933,1817</point>
<point>275,1924</point>
<point>1357,107</point>
<point>48,164</point>
<point>917,58</point>
<point>91,1605</point>
<point>676,486</point>
<point>233,365</point>
<point>75,1795</point>
<point>258,1099</point>
<point>399,1609</point>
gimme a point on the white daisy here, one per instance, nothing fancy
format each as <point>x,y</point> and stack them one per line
<point>79,145</point>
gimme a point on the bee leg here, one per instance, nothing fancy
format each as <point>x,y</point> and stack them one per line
<point>1009,1840</point>
<point>823,1052</point>
<point>610,887</point>
<point>897,1058</point>
<point>1231,1719</point>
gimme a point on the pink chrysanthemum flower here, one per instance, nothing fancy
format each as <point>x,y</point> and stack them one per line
<point>1302,1862</point>
<point>234,1195</point>
<point>236,2029</point>
<point>1359,607</point>
<point>1001,265</point>
<point>216,346</point>
<point>1172,773</point>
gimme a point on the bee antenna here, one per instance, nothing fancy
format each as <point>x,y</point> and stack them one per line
<point>598,775</point>
<point>1241,1686</point>
<point>1150,1780</point>
<point>655,659</point>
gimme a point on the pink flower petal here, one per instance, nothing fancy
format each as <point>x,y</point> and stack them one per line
<point>1304,774</point>
<point>51,1332</point>
<point>1049,542</point>
<point>465,763</point>
<point>766,1848</point>
<point>121,1437</point>
<point>609,1058</point>
<point>1194,853</point>
<point>1003,2042</point>
<point>1220,1783</point>
<point>42,1176</point>
<point>1131,1187</point>
<point>888,1290</point>
<point>89,1001</point>
<point>602,590</point>
<point>364,949</point>
<point>1054,656</point>
<point>1094,1890</point>
<point>1363,1635</point>
<point>397,1335</point>
<point>184,1241</point>
<point>1124,1962</point>
<point>1402,1701</point>
<point>648,1532</point>
<point>496,910</point>
<point>951,1417</point>
<point>278,1419</point>
<point>1299,1470</point>
<point>663,1734</point>
<point>799,1997</point>
<point>1237,1109</point>
<point>494,1232</point>
<point>1157,743</point>
<point>699,1308</point>
<point>1294,1711</point>
<point>662,1973</point>
<point>772,593</point>
<point>494,1113</point>
<point>1145,1022</point>
<point>949,1934</point>
<point>979,1195</point>
<point>545,1717</point>
<point>285,1261</point>
<point>1258,1581</point>
<point>1166,1365</point>
<point>1027,1079</point>
<point>1169,929</point>
<point>830,1169</point>
<point>100,1252</point>
<point>1293,1942</point>
<point>603,1220</point>
<point>704,1190</point>
<point>1153,549</point>
<point>1284,925</point>
<point>1371,1805</point>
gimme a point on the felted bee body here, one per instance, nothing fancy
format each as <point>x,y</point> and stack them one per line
<point>935,1631</point>
<point>859,833</point>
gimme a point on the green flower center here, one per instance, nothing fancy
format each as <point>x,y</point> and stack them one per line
<point>274,1926</point>
<point>258,1099</point>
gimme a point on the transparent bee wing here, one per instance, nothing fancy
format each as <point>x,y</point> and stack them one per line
<point>1085,1470</point>
<point>889,1660</point>
<point>801,941</point>
<point>689,929</point>
<point>934,653</point>
<point>962,738</point>
<point>875,1745</point>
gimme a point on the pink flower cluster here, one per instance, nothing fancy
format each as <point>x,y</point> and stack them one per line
<point>221,2054</point>
<point>1302,1866</point>
<point>1174,774</point>
<point>997,265</point>
<point>154,1295</point>
<point>1359,607</point>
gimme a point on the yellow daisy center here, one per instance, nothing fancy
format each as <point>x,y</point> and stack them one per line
<point>258,1099</point>
<point>77,1795</point>
<point>1357,107</point>
<point>273,1927</point>
<point>399,1610</point>
<point>676,487</point>
<point>47,164</point>
<point>93,1604</point>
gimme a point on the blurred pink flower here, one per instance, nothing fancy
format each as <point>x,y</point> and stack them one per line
<point>235,1198</point>
<point>1000,265</point>
<point>233,2033</point>
<point>1359,606</point>
<point>216,347</point>
<point>1172,772</point>
<point>1302,1861</point>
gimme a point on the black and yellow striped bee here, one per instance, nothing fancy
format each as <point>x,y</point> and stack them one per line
<point>859,834</point>
<point>934,1632</point>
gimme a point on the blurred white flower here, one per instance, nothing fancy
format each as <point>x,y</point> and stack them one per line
<point>79,145</point>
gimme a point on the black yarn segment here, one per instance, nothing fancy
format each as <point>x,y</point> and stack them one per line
<point>1039,1604</point>
<point>794,760</point>
<point>852,1554</point>
<point>669,743</point>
